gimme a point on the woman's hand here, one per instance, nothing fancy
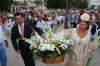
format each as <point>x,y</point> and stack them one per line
<point>90,52</point>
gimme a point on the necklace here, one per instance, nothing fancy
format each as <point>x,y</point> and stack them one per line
<point>81,34</point>
<point>80,41</point>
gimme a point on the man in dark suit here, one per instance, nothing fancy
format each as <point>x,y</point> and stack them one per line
<point>22,29</point>
<point>92,28</point>
<point>76,25</point>
<point>27,19</point>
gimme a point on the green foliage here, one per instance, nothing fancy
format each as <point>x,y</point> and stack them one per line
<point>5,4</point>
<point>15,3</point>
<point>78,4</point>
<point>38,2</point>
<point>62,3</point>
<point>96,43</point>
<point>55,3</point>
<point>69,37</point>
<point>51,54</point>
<point>25,3</point>
<point>88,62</point>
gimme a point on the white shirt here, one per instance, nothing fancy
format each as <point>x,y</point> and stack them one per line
<point>90,27</point>
<point>73,17</point>
<point>11,15</point>
<point>93,17</point>
<point>77,25</point>
<point>59,18</point>
<point>30,17</point>
<point>2,35</point>
<point>20,28</point>
<point>48,24</point>
<point>41,24</point>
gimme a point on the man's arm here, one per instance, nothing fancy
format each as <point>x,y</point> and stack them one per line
<point>39,31</point>
<point>13,39</point>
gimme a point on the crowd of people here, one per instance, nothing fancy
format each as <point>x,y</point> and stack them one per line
<point>40,20</point>
<point>51,18</point>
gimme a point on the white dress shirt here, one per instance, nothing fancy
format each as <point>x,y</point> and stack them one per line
<point>2,35</point>
<point>41,24</point>
<point>90,27</point>
<point>77,25</point>
<point>20,28</point>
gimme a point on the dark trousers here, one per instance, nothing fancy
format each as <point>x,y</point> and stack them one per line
<point>27,56</point>
<point>72,23</point>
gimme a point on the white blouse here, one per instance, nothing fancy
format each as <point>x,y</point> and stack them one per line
<point>81,45</point>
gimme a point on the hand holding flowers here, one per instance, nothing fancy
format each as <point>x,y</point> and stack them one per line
<point>53,46</point>
<point>95,45</point>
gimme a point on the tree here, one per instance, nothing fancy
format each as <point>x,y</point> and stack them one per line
<point>78,4</point>
<point>25,3</point>
<point>15,3</point>
<point>38,2</point>
<point>5,4</point>
<point>62,3</point>
<point>55,3</point>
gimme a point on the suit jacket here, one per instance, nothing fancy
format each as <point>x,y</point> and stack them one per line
<point>27,20</point>
<point>93,29</point>
<point>34,22</point>
<point>27,34</point>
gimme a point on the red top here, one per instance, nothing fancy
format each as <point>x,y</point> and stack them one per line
<point>3,20</point>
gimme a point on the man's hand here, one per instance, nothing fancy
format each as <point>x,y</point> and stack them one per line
<point>6,43</point>
<point>18,51</point>
<point>43,36</point>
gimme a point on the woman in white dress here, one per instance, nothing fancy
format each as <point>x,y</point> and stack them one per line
<point>82,43</point>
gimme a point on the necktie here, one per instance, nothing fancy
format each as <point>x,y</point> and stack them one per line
<point>22,30</point>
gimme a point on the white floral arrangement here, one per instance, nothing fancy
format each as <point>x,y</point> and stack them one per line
<point>96,43</point>
<point>85,17</point>
<point>54,45</point>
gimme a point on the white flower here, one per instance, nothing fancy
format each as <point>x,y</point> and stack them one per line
<point>48,47</point>
<point>65,46</point>
<point>52,39</point>
<point>45,41</point>
<point>85,17</point>
<point>52,47</point>
<point>42,47</point>
<point>29,41</point>
<point>64,41</point>
<point>26,40</point>
<point>71,42</point>
<point>31,46</point>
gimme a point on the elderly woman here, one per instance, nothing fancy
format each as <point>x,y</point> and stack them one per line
<point>82,44</point>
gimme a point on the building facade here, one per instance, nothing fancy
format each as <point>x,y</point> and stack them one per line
<point>94,3</point>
